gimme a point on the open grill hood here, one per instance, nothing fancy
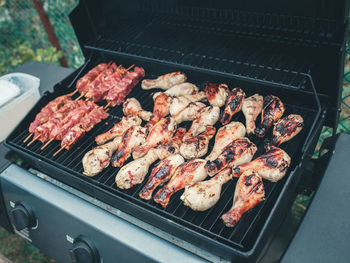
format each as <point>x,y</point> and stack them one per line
<point>292,50</point>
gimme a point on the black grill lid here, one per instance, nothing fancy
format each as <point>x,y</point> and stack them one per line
<point>288,39</point>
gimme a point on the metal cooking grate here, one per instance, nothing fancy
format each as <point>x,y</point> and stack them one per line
<point>208,222</point>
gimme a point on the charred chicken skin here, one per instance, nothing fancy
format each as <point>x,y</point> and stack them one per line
<point>203,195</point>
<point>272,165</point>
<point>162,131</point>
<point>165,81</point>
<point>189,113</point>
<point>118,129</point>
<point>160,109</point>
<point>171,146</point>
<point>207,117</point>
<point>237,152</point>
<point>188,172</point>
<point>285,129</point>
<point>233,104</point>
<point>216,94</point>
<point>132,138</point>
<point>197,146</point>
<point>132,107</point>
<point>161,173</point>
<point>273,110</point>
<point>251,109</point>
<point>249,193</point>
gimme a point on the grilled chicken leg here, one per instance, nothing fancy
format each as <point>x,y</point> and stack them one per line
<point>160,174</point>
<point>134,172</point>
<point>205,194</point>
<point>132,138</point>
<point>118,129</point>
<point>180,90</point>
<point>207,116</point>
<point>188,172</point>
<point>97,159</point>
<point>162,131</point>
<point>189,113</point>
<point>272,165</point>
<point>179,103</point>
<point>225,136</point>
<point>251,108</point>
<point>237,152</point>
<point>272,111</point>
<point>197,146</point>
<point>160,109</point>
<point>233,104</point>
<point>165,81</point>
<point>132,107</point>
<point>216,94</point>
<point>249,193</point>
<point>171,146</point>
<point>285,129</point>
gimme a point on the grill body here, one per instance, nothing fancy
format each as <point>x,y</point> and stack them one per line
<point>259,51</point>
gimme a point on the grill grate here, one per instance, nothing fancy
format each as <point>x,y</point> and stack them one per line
<point>207,223</point>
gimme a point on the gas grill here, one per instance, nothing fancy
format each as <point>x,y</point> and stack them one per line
<point>294,53</point>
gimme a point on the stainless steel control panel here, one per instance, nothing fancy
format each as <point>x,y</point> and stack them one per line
<point>70,229</point>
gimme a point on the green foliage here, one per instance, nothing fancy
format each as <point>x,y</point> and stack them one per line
<point>22,52</point>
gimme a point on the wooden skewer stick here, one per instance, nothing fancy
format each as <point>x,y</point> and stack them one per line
<point>26,139</point>
<point>71,94</point>
<point>105,107</point>
<point>60,149</point>
<point>81,95</point>
<point>46,144</point>
<point>133,65</point>
<point>35,138</point>
<point>107,110</point>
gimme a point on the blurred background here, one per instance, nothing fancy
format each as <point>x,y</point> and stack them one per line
<point>40,30</point>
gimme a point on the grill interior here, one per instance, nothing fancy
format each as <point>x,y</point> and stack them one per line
<point>207,223</point>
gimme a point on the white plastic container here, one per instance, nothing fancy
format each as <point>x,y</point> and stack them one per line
<point>13,112</point>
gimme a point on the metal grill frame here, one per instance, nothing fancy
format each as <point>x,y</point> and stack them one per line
<point>126,203</point>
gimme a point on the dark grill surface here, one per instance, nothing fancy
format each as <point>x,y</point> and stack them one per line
<point>208,223</point>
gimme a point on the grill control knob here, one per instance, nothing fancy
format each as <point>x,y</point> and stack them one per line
<point>23,216</point>
<point>84,251</point>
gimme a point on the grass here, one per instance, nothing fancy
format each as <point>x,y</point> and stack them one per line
<point>18,250</point>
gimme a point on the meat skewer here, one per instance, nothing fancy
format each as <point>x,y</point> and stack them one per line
<point>237,152</point>
<point>45,113</point>
<point>249,193</point>
<point>188,172</point>
<point>285,129</point>
<point>165,81</point>
<point>233,104</point>
<point>161,173</point>
<point>272,165</point>
<point>84,126</point>
<point>84,81</point>
<point>272,111</point>
<point>203,195</point>
<point>225,136</point>
<point>196,147</point>
<point>216,94</point>
<point>117,94</point>
<point>251,108</point>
